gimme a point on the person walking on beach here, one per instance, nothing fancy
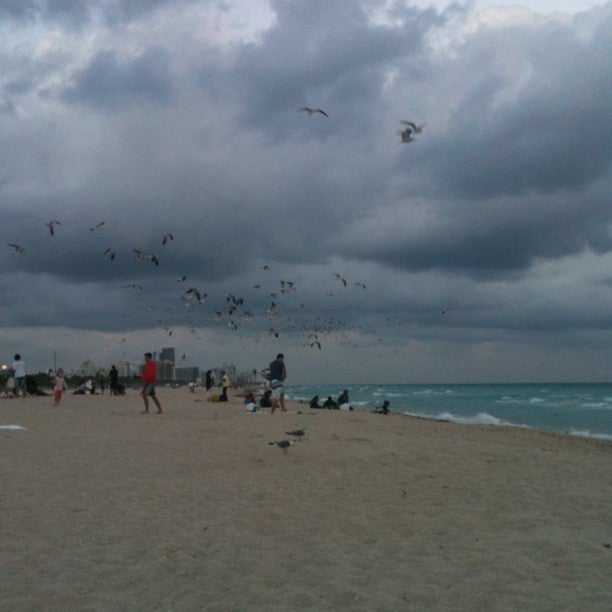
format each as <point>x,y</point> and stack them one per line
<point>19,372</point>
<point>209,383</point>
<point>225,382</point>
<point>59,386</point>
<point>113,377</point>
<point>149,378</point>
<point>277,375</point>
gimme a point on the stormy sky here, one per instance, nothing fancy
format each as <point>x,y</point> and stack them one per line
<point>480,251</point>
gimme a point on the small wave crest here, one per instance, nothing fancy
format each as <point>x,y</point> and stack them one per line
<point>482,418</point>
<point>585,433</point>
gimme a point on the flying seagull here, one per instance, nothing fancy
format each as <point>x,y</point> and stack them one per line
<point>17,250</point>
<point>199,297</point>
<point>417,129</point>
<point>284,444</point>
<point>406,135</point>
<point>167,237</point>
<point>311,111</point>
<point>339,278</point>
<point>96,226</point>
<point>111,253</point>
<point>51,225</point>
<point>287,286</point>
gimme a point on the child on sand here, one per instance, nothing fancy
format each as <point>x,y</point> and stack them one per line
<point>59,385</point>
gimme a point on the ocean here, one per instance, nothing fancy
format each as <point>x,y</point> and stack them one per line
<point>570,409</point>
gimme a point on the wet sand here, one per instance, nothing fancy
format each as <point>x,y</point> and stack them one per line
<point>103,508</point>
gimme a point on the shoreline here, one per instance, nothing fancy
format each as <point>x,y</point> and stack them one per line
<point>106,508</point>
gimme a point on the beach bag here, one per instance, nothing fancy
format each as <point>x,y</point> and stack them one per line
<point>214,398</point>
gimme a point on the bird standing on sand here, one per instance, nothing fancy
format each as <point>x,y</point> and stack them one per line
<point>312,111</point>
<point>284,444</point>
<point>298,433</point>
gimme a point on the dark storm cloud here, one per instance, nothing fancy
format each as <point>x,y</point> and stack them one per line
<point>489,239</point>
<point>493,215</point>
<point>110,81</point>
<point>556,134</point>
<point>324,54</point>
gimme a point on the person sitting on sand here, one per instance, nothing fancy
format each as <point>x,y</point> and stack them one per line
<point>314,402</point>
<point>266,399</point>
<point>330,404</point>
<point>343,398</point>
<point>250,402</point>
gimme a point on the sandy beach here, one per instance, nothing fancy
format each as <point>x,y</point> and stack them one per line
<point>103,508</point>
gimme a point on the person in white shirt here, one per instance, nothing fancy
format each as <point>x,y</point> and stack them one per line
<point>19,372</point>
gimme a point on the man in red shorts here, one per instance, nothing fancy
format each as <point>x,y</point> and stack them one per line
<point>149,378</point>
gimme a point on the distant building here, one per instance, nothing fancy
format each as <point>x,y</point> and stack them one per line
<point>166,370</point>
<point>167,354</point>
<point>187,375</point>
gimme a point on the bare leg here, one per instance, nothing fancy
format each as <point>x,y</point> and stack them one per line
<point>159,408</point>
<point>145,399</point>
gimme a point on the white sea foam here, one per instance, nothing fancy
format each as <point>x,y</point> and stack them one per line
<point>596,406</point>
<point>11,427</point>
<point>481,418</point>
<point>585,433</point>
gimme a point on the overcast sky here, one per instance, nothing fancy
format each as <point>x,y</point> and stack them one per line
<point>479,252</point>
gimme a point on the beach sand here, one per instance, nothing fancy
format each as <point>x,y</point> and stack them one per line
<point>103,508</point>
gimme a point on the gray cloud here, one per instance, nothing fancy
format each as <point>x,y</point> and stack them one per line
<point>110,82</point>
<point>498,214</point>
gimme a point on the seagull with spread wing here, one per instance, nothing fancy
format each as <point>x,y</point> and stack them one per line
<point>51,225</point>
<point>312,111</point>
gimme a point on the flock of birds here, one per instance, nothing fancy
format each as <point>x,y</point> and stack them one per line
<point>234,312</point>
<point>230,309</point>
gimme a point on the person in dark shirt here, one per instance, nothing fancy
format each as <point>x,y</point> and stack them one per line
<point>314,402</point>
<point>330,404</point>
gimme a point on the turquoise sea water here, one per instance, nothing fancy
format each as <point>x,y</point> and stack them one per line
<point>572,409</point>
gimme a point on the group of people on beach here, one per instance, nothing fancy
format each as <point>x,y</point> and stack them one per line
<point>342,403</point>
<point>273,395</point>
